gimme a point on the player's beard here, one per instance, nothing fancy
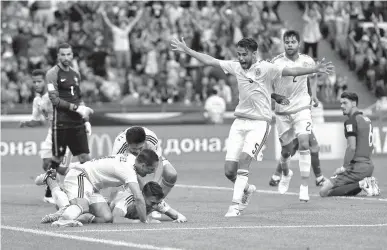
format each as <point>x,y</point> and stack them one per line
<point>291,53</point>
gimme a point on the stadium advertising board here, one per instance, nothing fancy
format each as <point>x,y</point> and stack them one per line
<point>187,143</point>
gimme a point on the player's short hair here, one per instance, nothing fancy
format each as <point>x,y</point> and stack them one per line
<point>152,188</point>
<point>248,43</point>
<point>350,96</point>
<point>290,33</point>
<point>135,135</point>
<point>147,156</point>
<point>63,46</point>
<point>39,72</point>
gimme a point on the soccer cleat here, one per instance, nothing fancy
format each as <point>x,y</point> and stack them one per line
<point>42,178</point>
<point>320,181</point>
<point>49,218</point>
<point>156,215</point>
<point>233,211</point>
<point>67,223</point>
<point>304,195</point>
<point>374,186</point>
<point>49,200</point>
<point>274,182</point>
<point>283,185</point>
<point>366,186</point>
<point>247,197</point>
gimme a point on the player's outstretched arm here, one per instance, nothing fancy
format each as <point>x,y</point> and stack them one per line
<point>175,216</point>
<point>320,67</point>
<point>204,58</point>
<point>138,200</point>
<point>36,120</point>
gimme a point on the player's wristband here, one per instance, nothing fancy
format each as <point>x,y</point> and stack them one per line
<point>73,107</point>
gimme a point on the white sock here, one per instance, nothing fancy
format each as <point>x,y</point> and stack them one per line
<point>276,177</point>
<point>60,197</point>
<point>304,163</point>
<point>72,212</point>
<point>240,185</point>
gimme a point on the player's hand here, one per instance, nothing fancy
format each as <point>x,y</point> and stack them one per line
<point>180,219</point>
<point>316,102</point>
<point>325,67</point>
<point>153,221</point>
<point>84,111</point>
<point>88,128</point>
<point>179,45</point>
<point>339,170</point>
<point>280,99</point>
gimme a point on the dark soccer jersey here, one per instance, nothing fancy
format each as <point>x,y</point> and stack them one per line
<point>360,126</point>
<point>67,85</point>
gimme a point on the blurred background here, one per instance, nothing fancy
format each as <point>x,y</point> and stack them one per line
<point>122,49</point>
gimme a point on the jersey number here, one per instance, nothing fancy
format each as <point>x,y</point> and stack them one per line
<point>370,137</point>
<point>72,90</point>
<point>294,79</point>
<point>308,124</point>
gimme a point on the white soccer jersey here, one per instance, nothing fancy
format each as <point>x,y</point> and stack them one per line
<point>255,87</point>
<point>110,171</point>
<point>42,106</point>
<point>151,142</point>
<point>294,88</point>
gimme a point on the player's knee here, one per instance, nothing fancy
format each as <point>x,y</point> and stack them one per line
<point>83,158</point>
<point>323,192</point>
<point>303,144</point>
<point>107,217</point>
<point>230,170</point>
<point>285,153</point>
<point>170,174</point>
<point>314,148</point>
<point>82,203</point>
<point>46,163</point>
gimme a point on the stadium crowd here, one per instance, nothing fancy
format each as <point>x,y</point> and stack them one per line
<point>122,49</point>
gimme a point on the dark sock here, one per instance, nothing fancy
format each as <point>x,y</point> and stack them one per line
<point>54,165</point>
<point>346,190</point>
<point>278,170</point>
<point>48,193</point>
<point>315,160</point>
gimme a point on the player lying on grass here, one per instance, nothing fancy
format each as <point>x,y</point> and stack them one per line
<point>356,173</point>
<point>122,204</point>
<point>83,183</point>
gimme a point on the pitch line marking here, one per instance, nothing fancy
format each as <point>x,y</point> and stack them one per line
<point>221,228</point>
<point>86,239</point>
<point>262,191</point>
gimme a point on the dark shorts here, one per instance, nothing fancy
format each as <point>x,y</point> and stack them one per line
<point>74,138</point>
<point>357,172</point>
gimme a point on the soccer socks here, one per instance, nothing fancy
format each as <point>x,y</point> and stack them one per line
<point>346,190</point>
<point>278,172</point>
<point>240,185</point>
<point>304,163</point>
<point>48,193</point>
<point>285,162</point>
<point>72,212</point>
<point>166,186</point>
<point>315,160</point>
<point>60,197</point>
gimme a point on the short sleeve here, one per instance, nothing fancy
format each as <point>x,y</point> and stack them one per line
<point>228,66</point>
<point>125,170</point>
<point>350,127</point>
<point>36,114</point>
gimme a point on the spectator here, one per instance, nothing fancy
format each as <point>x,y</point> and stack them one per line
<point>311,33</point>
<point>224,91</point>
<point>215,107</point>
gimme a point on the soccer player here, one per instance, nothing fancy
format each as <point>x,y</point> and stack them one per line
<point>70,124</point>
<point>42,110</point>
<point>295,120</point>
<point>356,172</point>
<point>251,127</point>
<point>122,204</point>
<point>133,140</point>
<point>84,182</point>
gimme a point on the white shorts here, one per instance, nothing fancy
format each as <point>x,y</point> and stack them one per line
<point>290,126</point>
<point>46,150</point>
<point>247,136</point>
<point>76,185</point>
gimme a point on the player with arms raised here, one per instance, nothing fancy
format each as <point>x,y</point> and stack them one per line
<point>295,120</point>
<point>356,172</point>
<point>84,182</point>
<point>251,127</point>
<point>42,110</point>
<point>70,124</point>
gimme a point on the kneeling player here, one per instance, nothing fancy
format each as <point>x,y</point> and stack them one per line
<point>83,183</point>
<point>123,205</point>
<point>356,172</point>
<point>133,140</point>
